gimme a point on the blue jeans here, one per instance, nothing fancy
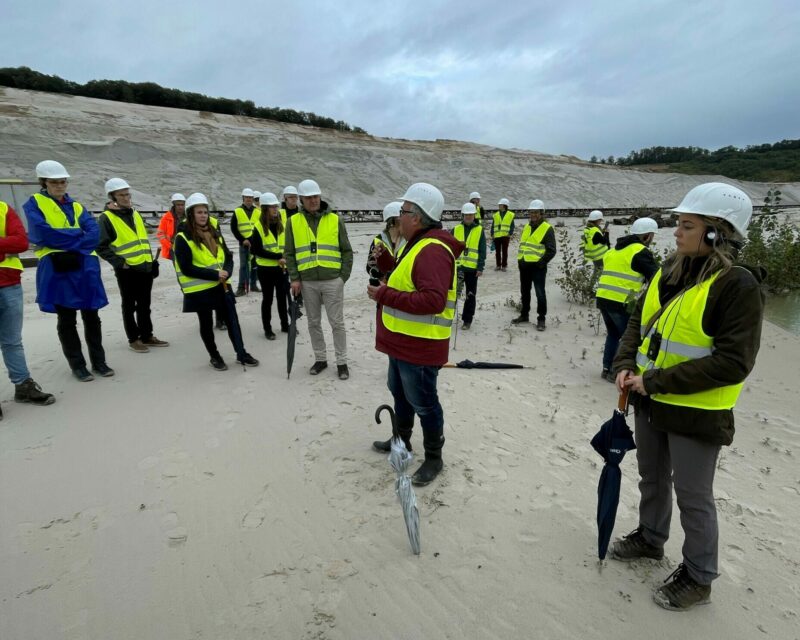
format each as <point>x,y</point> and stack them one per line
<point>414,389</point>
<point>11,333</point>
<point>616,322</point>
<point>247,274</point>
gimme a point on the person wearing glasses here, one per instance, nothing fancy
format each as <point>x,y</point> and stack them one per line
<point>68,274</point>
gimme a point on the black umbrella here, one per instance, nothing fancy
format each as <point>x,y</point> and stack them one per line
<point>612,442</point>
<point>469,364</point>
<point>292,334</point>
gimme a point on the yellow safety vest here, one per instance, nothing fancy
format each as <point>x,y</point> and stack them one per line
<point>618,281</point>
<point>682,339</point>
<point>11,260</point>
<point>132,246</point>
<point>385,241</point>
<point>592,251</point>
<point>531,248</point>
<point>502,224</point>
<point>478,212</point>
<point>201,257</point>
<point>430,326</point>
<point>328,253</point>
<point>57,219</point>
<point>275,245</point>
<point>243,222</point>
<point>469,258</point>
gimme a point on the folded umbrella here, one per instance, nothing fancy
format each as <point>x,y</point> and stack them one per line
<point>469,364</point>
<point>612,441</point>
<point>292,337</point>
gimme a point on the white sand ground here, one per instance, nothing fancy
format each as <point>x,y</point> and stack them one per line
<point>173,502</point>
<point>160,151</point>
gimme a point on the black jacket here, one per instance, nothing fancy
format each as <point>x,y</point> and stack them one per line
<point>549,242</point>
<point>108,234</point>
<point>732,317</point>
<point>235,223</point>
<point>257,245</point>
<point>208,298</point>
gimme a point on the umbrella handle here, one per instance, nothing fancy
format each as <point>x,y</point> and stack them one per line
<point>622,403</point>
<point>386,407</point>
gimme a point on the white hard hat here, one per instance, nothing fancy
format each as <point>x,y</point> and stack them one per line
<point>309,188</point>
<point>468,209</point>
<point>536,204</point>
<point>595,215</point>
<point>195,199</point>
<point>426,197</point>
<point>643,226</point>
<point>391,210</point>
<point>719,200</point>
<point>178,197</point>
<point>289,191</point>
<point>115,184</point>
<point>268,199</point>
<point>474,195</point>
<point>257,195</point>
<point>248,193</point>
<point>51,169</point>
<point>504,201</point>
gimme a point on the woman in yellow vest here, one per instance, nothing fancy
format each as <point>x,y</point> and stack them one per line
<point>595,241</point>
<point>390,239</point>
<point>690,343</point>
<point>267,243</point>
<point>68,274</point>
<point>204,264</point>
<point>124,244</point>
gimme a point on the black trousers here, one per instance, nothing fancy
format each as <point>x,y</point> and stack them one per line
<point>273,284</point>
<point>67,327</point>
<point>501,251</point>
<point>529,275</point>
<point>229,316</point>
<point>471,293</point>
<point>136,287</point>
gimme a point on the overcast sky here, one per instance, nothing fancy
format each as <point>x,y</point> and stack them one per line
<point>578,78</point>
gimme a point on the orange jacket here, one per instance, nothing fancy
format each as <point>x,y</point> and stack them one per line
<point>166,234</point>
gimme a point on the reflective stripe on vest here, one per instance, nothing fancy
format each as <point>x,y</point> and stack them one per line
<point>132,246</point>
<point>57,219</point>
<point>618,281</point>
<point>269,242</point>
<point>428,326</point>
<point>592,251</point>
<point>469,258</point>
<point>683,339</point>
<point>531,248</point>
<point>243,222</point>
<point>328,254</point>
<point>203,258</point>
<point>11,260</point>
<point>502,225</point>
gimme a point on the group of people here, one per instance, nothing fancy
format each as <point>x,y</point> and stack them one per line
<point>681,337</point>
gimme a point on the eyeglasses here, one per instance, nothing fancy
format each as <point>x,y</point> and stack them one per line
<point>406,212</point>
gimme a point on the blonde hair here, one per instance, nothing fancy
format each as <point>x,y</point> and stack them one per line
<point>720,259</point>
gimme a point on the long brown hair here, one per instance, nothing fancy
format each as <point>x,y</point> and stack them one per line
<point>720,259</point>
<point>269,220</point>
<point>201,238</point>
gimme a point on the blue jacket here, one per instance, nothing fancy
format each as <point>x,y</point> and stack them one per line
<point>79,289</point>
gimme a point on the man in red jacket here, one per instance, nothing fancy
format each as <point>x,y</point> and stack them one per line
<point>13,241</point>
<point>416,307</point>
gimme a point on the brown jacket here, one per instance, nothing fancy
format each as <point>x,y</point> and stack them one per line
<point>732,317</point>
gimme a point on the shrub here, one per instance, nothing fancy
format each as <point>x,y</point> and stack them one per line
<point>576,281</point>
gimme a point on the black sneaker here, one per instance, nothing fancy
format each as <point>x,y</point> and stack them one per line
<point>540,326</point>
<point>82,374</point>
<point>254,288</point>
<point>385,446</point>
<point>221,326</point>
<point>634,546</point>
<point>427,472</point>
<point>269,334</point>
<point>31,392</point>
<point>683,592</point>
<point>520,320</point>
<point>248,360</point>
<point>240,292</point>
<point>318,367</point>
<point>466,326</point>
<point>342,371</point>
<point>219,364</point>
<point>103,370</point>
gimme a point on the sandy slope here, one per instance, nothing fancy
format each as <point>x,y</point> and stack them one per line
<point>161,151</point>
<point>174,502</point>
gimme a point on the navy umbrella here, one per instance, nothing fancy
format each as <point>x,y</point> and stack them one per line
<point>612,442</point>
<point>469,364</point>
<point>292,337</point>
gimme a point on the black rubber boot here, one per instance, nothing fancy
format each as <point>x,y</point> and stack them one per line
<point>427,471</point>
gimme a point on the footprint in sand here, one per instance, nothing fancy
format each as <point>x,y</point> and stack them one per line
<point>176,534</point>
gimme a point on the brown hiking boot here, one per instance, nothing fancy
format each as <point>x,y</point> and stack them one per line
<point>138,346</point>
<point>32,393</point>
<point>152,341</point>
<point>634,546</point>
<point>683,592</point>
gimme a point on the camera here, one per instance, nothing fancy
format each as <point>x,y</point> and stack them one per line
<point>654,347</point>
<point>374,277</point>
<point>314,247</point>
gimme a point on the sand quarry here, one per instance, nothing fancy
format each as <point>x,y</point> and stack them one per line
<point>174,502</point>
